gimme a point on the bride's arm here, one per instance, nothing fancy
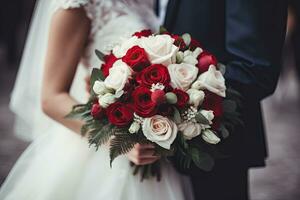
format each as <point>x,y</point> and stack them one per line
<point>68,36</point>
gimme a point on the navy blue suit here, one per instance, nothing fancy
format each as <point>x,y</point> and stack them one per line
<point>247,36</point>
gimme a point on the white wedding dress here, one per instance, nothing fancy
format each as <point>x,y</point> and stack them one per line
<point>59,165</point>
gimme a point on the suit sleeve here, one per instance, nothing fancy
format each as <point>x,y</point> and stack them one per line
<point>255,34</point>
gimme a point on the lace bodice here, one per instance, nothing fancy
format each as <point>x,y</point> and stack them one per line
<point>112,20</point>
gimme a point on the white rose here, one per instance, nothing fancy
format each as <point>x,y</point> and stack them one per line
<point>209,137</point>
<point>118,76</point>
<point>160,130</point>
<point>196,97</point>
<point>182,75</point>
<point>208,114</point>
<point>100,88</point>
<point>191,57</point>
<point>190,129</point>
<point>160,49</point>
<point>107,99</point>
<point>211,80</point>
<point>121,50</point>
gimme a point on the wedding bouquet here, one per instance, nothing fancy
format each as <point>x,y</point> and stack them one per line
<point>161,89</point>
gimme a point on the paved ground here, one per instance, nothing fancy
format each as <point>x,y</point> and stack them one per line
<point>280,180</point>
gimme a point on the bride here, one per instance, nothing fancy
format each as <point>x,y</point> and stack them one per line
<point>59,165</point>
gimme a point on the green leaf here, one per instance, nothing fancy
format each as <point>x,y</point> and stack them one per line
<point>187,38</point>
<point>84,129</point>
<point>229,106</point>
<point>159,151</point>
<point>100,136</point>
<point>96,75</point>
<point>201,159</point>
<point>100,55</point>
<point>162,30</point>
<point>123,143</point>
<point>224,131</point>
<point>78,112</point>
<point>222,68</point>
<point>201,119</point>
<point>177,116</point>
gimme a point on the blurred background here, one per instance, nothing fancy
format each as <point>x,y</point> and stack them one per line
<point>280,180</point>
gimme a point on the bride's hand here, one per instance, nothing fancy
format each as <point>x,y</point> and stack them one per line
<point>142,154</point>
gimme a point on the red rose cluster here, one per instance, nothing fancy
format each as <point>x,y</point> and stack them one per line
<point>149,91</point>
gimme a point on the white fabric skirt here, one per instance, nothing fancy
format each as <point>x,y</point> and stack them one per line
<point>59,165</point>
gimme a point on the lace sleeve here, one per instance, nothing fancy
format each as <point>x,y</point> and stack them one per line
<point>68,4</point>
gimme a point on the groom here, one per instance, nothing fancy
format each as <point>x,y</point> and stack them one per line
<point>247,36</point>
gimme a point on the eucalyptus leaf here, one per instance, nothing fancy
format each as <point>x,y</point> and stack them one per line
<point>224,132</point>
<point>222,68</point>
<point>187,38</point>
<point>201,159</point>
<point>201,119</point>
<point>177,117</point>
<point>229,106</point>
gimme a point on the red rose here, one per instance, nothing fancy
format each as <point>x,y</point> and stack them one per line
<point>136,58</point>
<point>194,44</point>
<point>142,103</point>
<point>156,73</point>
<point>119,114</point>
<point>179,42</point>
<point>182,98</point>
<point>206,59</point>
<point>96,111</point>
<point>109,60</point>
<point>213,102</point>
<point>158,97</point>
<point>143,33</point>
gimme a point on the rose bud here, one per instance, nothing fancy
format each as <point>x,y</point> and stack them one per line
<point>158,97</point>
<point>134,128</point>
<point>96,111</point>
<point>143,33</point>
<point>109,60</point>
<point>171,98</point>
<point>206,59</point>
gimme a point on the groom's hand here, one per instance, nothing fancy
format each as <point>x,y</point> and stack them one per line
<point>142,154</point>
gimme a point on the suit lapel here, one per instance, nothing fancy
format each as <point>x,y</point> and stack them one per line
<point>171,14</point>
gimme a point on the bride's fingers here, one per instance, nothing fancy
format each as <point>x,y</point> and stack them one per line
<point>146,153</point>
<point>143,161</point>
<point>144,146</point>
<point>147,161</point>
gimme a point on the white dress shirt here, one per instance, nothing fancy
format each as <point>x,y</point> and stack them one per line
<point>162,10</point>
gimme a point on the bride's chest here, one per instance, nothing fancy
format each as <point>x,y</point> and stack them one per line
<point>111,21</point>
